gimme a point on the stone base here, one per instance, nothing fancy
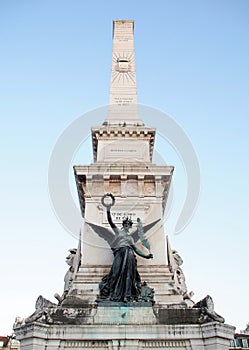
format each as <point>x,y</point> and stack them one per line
<point>38,336</point>
<point>125,315</point>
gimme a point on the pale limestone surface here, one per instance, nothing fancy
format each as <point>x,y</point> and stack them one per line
<point>123,89</point>
<point>212,336</point>
<point>125,138</point>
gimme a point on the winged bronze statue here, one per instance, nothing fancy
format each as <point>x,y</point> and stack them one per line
<point>123,282</point>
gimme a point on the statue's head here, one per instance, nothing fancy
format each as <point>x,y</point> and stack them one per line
<point>127,223</point>
<point>71,256</point>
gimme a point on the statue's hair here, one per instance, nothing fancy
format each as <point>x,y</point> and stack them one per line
<point>126,219</point>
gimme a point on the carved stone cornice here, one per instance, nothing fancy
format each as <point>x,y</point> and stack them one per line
<point>147,180</point>
<point>123,132</point>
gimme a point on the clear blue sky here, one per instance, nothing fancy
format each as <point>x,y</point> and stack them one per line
<point>192,62</point>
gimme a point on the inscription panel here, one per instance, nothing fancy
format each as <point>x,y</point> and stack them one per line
<point>124,101</point>
<point>127,150</point>
<point>120,212</point>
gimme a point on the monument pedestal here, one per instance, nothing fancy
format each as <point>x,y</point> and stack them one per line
<point>211,336</point>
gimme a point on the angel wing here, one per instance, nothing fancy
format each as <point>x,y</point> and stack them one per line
<point>146,228</point>
<point>103,232</point>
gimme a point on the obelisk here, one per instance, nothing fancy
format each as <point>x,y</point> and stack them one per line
<point>123,149</point>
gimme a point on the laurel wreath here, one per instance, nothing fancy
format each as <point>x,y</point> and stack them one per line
<point>105,196</point>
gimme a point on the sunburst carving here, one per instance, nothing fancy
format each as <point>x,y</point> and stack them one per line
<point>123,68</point>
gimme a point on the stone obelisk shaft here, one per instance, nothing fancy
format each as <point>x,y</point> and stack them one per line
<point>123,88</point>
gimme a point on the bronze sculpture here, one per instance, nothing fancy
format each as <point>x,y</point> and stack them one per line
<point>122,283</point>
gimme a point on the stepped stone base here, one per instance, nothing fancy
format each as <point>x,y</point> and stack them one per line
<point>211,336</point>
<point>86,285</point>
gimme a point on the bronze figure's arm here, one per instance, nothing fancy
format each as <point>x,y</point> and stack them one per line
<point>140,253</point>
<point>111,223</point>
<point>108,210</point>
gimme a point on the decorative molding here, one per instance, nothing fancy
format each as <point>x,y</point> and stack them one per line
<point>163,344</point>
<point>88,344</point>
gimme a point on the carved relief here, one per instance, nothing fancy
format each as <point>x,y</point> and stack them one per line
<point>123,65</point>
<point>149,188</point>
<point>131,187</point>
<point>115,187</point>
<point>97,187</point>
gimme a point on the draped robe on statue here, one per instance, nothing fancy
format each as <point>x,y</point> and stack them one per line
<point>123,282</point>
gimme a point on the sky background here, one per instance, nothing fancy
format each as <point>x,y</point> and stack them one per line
<point>192,63</point>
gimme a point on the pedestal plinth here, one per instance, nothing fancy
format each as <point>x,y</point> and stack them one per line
<point>211,336</point>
